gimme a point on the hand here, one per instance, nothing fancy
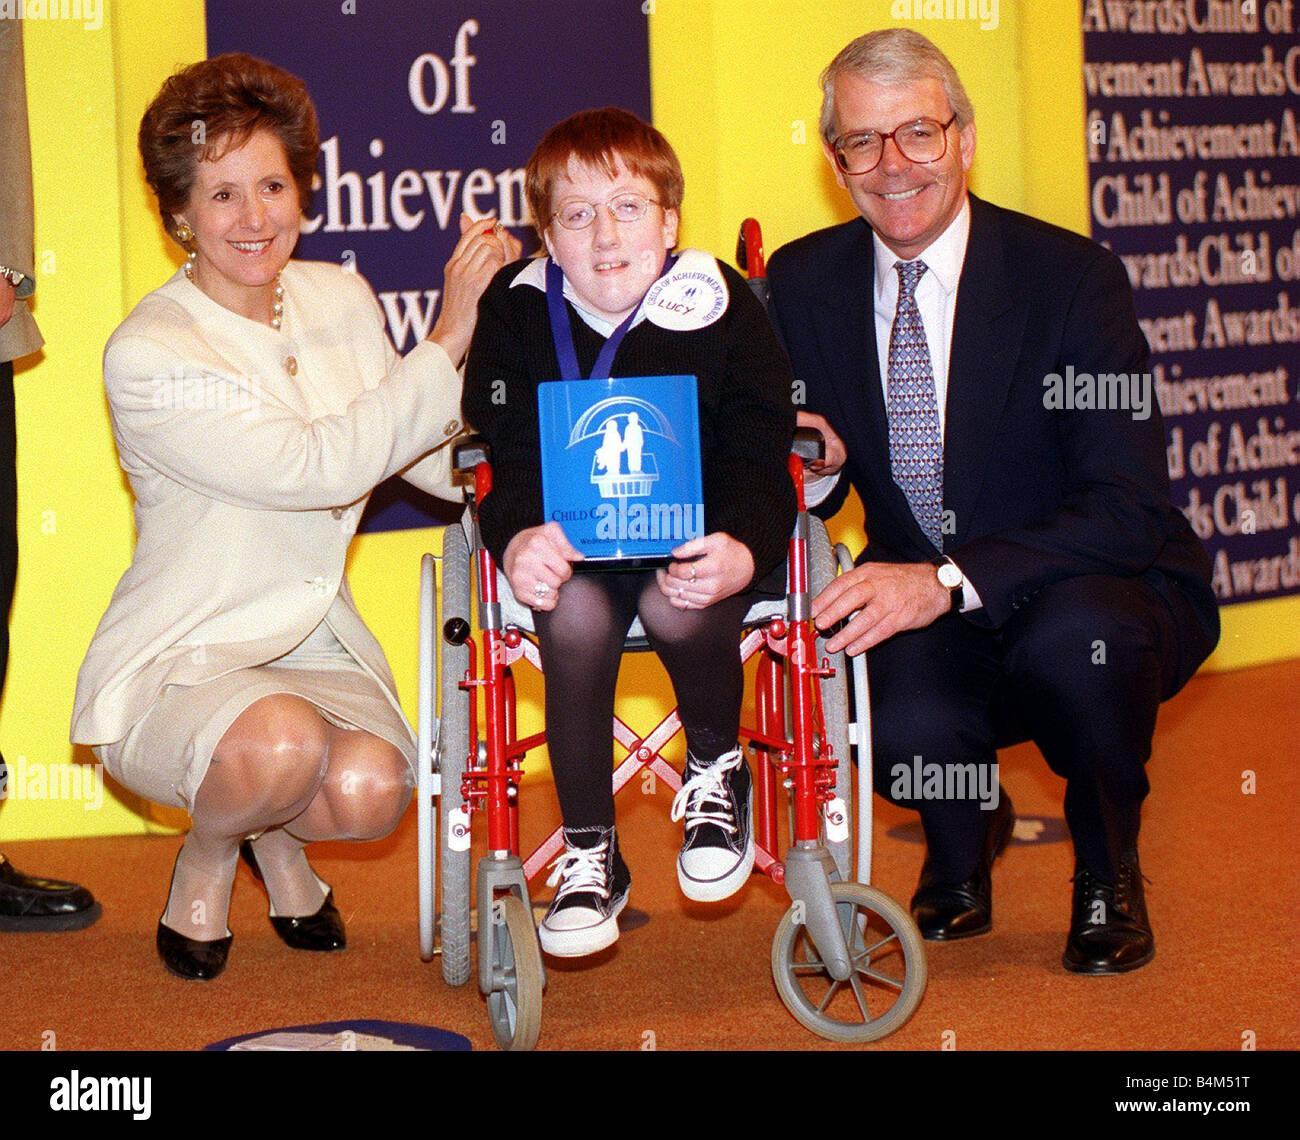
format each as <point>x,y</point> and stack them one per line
<point>536,563</point>
<point>889,597</point>
<point>709,569</point>
<point>8,294</point>
<point>836,453</point>
<point>484,247</point>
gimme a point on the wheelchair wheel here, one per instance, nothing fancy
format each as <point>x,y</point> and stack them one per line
<point>889,968</point>
<point>426,816</point>
<point>834,692</point>
<point>454,735</point>
<point>515,1000</point>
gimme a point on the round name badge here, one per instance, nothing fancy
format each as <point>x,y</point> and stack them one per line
<point>691,297</point>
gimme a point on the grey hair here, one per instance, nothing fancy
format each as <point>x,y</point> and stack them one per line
<point>894,57</point>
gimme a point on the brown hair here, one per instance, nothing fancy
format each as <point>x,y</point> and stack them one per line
<point>215,105</point>
<point>602,139</point>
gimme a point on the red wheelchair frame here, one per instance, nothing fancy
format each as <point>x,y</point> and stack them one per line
<point>837,938</point>
<point>838,935</point>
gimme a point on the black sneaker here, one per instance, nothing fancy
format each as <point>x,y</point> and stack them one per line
<point>593,889</point>
<point>717,853</point>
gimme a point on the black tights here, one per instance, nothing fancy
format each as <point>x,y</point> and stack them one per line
<point>581,643</point>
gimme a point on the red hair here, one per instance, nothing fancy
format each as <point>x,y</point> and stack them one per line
<point>602,139</point>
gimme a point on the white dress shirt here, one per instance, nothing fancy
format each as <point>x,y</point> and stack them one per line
<point>936,299</point>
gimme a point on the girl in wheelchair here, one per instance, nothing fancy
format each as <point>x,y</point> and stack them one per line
<point>605,189</point>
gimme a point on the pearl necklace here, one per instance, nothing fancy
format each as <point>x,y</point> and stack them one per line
<point>277,306</point>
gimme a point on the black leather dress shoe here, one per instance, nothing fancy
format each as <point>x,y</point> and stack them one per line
<point>1109,929</point>
<point>190,959</point>
<point>321,931</point>
<point>945,912</point>
<point>34,904</point>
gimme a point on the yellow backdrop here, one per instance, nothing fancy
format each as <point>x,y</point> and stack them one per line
<point>735,89</point>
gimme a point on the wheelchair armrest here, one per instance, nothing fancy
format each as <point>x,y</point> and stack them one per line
<point>808,444</point>
<point>468,453</point>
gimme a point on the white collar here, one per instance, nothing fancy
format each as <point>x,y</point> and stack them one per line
<point>689,261</point>
<point>943,257</point>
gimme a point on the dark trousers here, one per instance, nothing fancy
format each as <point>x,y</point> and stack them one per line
<point>8,517</point>
<point>1080,669</point>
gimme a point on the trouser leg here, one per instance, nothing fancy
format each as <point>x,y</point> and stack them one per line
<point>931,704</point>
<point>8,521</point>
<point>1087,662</point>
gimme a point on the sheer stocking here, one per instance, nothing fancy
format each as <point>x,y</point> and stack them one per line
<point>581,644</point>
<point>284,773</point>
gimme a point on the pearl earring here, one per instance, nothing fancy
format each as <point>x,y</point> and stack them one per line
<point>185,235</point>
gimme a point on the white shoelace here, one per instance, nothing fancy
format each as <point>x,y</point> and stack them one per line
<point>705,790</point>
<point>581,869</point>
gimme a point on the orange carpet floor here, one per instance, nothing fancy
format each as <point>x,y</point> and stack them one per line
<point>1221,863</point>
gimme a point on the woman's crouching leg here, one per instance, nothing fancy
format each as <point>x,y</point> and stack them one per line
<point>267,767</point>
<point>363,794</point>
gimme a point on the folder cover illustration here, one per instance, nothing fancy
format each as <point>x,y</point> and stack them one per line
<point>621,464</point>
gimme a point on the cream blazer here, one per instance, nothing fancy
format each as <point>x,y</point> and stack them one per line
<point>251,454</point>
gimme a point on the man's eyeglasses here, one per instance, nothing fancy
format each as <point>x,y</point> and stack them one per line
<point>578,215</point>
<point>922,140</point>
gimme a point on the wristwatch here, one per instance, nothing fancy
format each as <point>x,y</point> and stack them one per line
<point>950,578</point>
<point>23,285</point>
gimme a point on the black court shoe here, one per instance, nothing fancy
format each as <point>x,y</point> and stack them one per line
<point>190,959</point>
<point>322,931</point>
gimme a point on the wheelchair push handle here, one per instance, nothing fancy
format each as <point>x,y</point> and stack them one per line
<point>469,453</point>
<point>808,444</point>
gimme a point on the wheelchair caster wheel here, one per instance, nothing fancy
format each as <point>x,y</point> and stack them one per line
<point>515,1000</point>
<point>889,969</point>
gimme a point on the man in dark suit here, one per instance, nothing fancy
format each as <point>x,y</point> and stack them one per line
<point>1026,574</point>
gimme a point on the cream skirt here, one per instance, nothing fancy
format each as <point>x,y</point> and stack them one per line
<point>166,755</point>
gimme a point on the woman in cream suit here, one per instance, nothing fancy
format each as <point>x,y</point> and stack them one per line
<point>256,402</point>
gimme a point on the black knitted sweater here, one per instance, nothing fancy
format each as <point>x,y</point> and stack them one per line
<point>747,412</point>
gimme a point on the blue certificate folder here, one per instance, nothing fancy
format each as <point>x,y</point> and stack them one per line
<point>621,465</point>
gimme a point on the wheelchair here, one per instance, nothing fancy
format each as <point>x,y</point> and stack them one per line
<point>847,960</point>
<point>840,942</point>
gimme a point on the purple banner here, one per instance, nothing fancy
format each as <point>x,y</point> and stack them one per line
<point>427,110</point>
<point>1194,172</point>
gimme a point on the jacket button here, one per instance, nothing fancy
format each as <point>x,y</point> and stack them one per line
<point>337,512</point>
<point>453,426</point>
<point>291,366</point>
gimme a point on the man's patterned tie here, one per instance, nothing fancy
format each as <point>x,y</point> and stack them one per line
<point>915,441</point>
